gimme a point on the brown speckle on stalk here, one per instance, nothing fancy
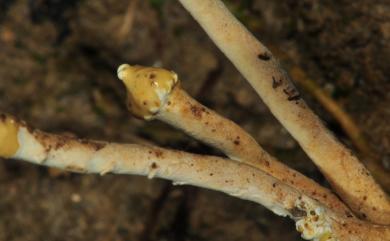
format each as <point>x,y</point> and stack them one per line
<point>154,165</point>
<point>276,83</point>
<point>292,94</point>
<point>264,56</point>
<point>93,144</point>
<point>158,153</point>
<point>198,111</point>
<point>348,214</point>
<point>297,213</point>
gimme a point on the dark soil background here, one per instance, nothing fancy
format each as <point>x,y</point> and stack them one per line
<point>58,61</point>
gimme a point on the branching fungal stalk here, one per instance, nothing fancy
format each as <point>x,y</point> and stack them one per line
<point>313,219</point>
<point>344,171</point>
<point>250,173</point>
<point>176,107</point>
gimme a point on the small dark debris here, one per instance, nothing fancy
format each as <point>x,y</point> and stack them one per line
<point>264,56</point>
<point>297,213</point>
<point>292,94</point>
<point>276,83</point>
<point>348,214</point>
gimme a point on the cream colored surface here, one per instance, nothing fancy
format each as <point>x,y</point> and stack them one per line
<point>349,178</point>
<point>147,88</point>
<point>9,143</point>
<point>211,172</point>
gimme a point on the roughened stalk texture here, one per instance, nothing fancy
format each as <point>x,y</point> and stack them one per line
<point>156,93</point>
<point>312,219</point>
<point>343,170</point>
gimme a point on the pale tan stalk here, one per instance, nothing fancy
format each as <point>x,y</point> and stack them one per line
<point>181,111</point>
<point>346,174</point>
<point>313,220</point>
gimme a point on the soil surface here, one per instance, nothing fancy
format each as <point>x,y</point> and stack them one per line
<point>58,61</point>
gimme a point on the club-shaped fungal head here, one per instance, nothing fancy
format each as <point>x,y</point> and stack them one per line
<point>147,88</point>
<point>9,143</point>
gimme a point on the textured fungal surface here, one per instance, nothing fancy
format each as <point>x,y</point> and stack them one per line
<point>58,62</point>
<point>147,88</point>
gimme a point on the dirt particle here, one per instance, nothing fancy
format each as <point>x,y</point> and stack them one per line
<point>297,213</point>
<point>348,214</point>
<point>236,142</point>
<point>154,165</point>
<point>264,56</point>
<point>276,83</point>
<point>292,94</point>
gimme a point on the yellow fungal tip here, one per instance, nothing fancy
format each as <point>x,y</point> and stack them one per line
<point>147,88</point>
<point>9,143</point>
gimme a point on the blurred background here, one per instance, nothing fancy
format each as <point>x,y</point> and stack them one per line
<point>58,61</point>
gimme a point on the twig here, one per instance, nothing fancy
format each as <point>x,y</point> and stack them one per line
<point>350,179</point>
<point>128,21</point>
